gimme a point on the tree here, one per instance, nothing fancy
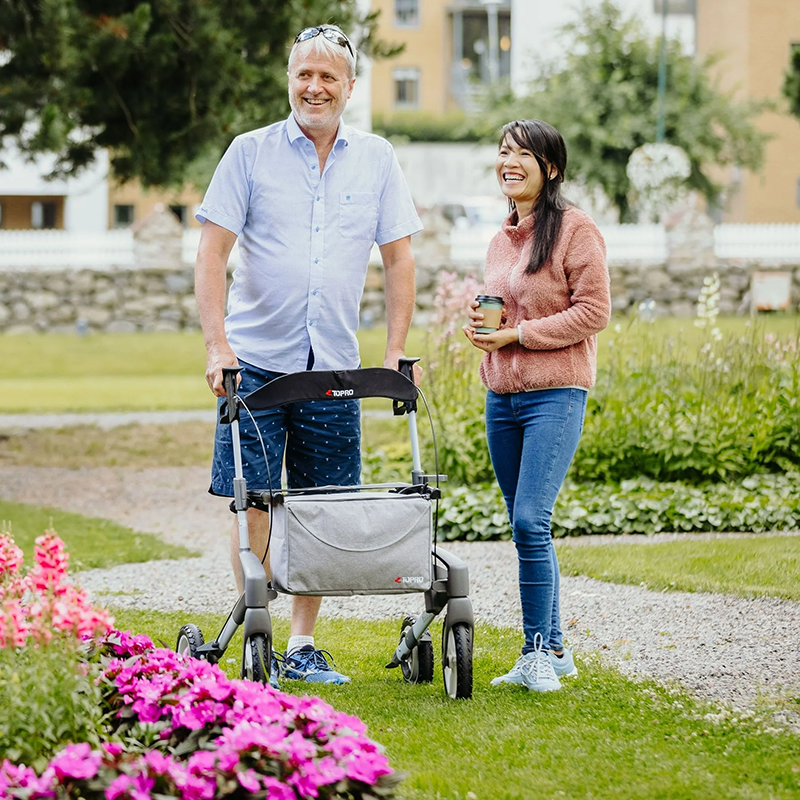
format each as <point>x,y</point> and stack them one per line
<point>159,83</point>
<point>791,84</point>
<point>603,99</point>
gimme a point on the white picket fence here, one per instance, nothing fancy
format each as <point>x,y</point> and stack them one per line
<point>780,243</point>
<point>52,250</point>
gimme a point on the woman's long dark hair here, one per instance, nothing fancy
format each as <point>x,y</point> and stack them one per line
<point>547,146</point>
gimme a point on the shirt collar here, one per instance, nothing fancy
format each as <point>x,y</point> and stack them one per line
<point>294,133</point>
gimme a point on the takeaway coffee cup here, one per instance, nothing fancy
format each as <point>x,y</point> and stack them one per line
<point>492,309</point>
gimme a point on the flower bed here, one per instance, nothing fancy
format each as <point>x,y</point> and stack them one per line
<point>167,725</point>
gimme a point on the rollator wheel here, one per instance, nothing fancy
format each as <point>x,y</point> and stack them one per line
<point>457,660</point>
<point>418,667</point>
<point>190,639</point>
<point>257,658</point>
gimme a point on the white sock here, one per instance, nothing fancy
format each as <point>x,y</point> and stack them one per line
<point>296,642</point>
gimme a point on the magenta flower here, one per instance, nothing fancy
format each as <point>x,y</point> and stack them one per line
<point>76,761</point>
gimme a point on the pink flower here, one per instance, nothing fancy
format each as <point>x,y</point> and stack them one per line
<point>249,780</point>
<point>368,767</point>
<point>76,761</point>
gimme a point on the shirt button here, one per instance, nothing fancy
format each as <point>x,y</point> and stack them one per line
<point>315,292</point>
<point>316,261</point>
<point>313,166</point>
<point>317,229</point>
<point>317,197</point>
<point>347,197</point>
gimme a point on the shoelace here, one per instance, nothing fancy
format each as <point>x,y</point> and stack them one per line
<point>539,666</point>
<point>315,658</point>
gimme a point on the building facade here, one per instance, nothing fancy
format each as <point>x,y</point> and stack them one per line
<point>754,41</point>
<point>452,49</point>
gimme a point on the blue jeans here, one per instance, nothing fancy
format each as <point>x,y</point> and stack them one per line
<point>532,439</point>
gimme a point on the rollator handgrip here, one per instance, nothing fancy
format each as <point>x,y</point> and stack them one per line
<point>405,366</point>
<point>229,410</point>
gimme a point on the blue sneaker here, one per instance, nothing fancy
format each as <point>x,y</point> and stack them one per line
<point>308,664</point>
<point>564,665</point>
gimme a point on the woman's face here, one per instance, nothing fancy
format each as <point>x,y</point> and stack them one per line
<point>518,173</point>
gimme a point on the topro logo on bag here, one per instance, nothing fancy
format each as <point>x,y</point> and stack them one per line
<point>410,579</point>
<point>339,393</point>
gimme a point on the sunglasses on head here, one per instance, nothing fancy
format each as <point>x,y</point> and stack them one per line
<point>331,34</point>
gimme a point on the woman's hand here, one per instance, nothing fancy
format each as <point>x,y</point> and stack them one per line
<point>489,342</point>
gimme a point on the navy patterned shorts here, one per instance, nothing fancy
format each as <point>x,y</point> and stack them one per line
<point>321,440</point>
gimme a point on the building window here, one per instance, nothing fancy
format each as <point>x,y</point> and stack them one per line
<point>406,87</point>
<point>406,13</point>
<point>43,215</point>
<point>180,213</point>
<point>674,6</point>
<point>123,216</point>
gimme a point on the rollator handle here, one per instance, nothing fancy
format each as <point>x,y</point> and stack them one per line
<point>229,410</point>
<point>405,366</point>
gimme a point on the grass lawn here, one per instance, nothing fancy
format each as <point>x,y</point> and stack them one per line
<point>90,542</point>
<point>127,372</point>
<point>748,567</point>
<point>182,444</point>
<point>123,372</point>
<point>602,736</point>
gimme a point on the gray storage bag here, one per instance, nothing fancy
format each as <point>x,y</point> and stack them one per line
<point>351,543</point>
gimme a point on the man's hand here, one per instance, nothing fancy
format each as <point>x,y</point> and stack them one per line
<point>392,361</point>
<point>216,359</point>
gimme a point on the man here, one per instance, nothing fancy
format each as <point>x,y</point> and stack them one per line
<point>307,198</point>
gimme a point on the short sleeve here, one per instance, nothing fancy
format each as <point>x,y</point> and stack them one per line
<point>227,199</point>
<point>397,216</point>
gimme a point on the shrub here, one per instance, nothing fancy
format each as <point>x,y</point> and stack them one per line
<point>453,388</point>
<point>163,724</point>
<point>416,126</point>
<point>731,411</point>
<point>641,505</point>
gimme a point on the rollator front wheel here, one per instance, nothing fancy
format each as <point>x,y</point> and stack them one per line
<point>418,666</point>
<point>257,658</point>
<point>457,660</point>
<point>190,639</point>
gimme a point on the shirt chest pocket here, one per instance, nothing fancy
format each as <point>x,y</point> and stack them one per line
<point>358,215</point>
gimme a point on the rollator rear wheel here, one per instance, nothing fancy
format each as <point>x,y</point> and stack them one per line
<point>257,658</point>
<point>190,639</point>
<point>457,660</point>
<point>418,667</point>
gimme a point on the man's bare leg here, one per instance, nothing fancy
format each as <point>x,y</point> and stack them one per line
<point>304,609</point>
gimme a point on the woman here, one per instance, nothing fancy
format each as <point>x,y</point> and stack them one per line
<point>548,264</point>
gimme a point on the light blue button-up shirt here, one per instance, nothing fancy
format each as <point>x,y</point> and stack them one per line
<point>304,240</point>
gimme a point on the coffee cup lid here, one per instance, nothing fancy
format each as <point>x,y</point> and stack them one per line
<point>489,298</point>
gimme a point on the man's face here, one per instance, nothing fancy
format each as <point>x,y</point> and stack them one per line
<point>319,88</point>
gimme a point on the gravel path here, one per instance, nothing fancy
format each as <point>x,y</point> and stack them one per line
<point>724,648</point>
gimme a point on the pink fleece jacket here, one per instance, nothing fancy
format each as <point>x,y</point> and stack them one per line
<point>559,310</point>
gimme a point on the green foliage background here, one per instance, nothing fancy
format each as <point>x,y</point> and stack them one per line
<point>160,82</point>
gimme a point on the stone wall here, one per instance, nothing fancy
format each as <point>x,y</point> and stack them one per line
<point>159,294</point>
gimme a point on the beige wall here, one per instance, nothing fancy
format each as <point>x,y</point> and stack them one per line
<point>754,38</point>
<point>16,214</point>
<point>428,49</point>
<point>144,200</point>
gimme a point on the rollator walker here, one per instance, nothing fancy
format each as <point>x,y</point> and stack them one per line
<point>344,540</point>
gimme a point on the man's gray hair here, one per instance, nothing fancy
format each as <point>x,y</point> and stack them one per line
<point>319,45</point>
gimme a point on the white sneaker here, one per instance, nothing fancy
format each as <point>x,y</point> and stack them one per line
<point>538,673</point>
<point>514,675</point>
<point>564,665</point>
<point>533,670</point>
